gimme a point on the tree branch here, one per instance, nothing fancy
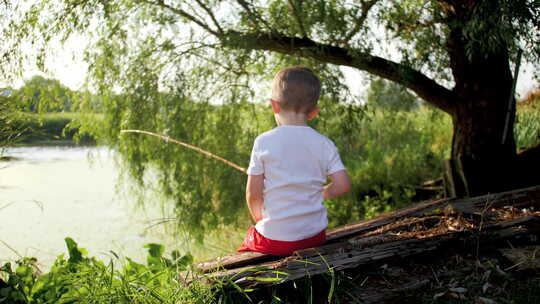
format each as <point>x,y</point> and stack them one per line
<point>425,87</point>
<point>212,16</point>
<point>419,25</point>
<point>186,15</point>
<point>296,14</point>
<point>253,16</point>
<point>366,7</point>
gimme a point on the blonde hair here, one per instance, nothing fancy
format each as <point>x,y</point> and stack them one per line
<point>296,89</point>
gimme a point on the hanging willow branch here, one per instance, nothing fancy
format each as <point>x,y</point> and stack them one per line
<point>206,153</point>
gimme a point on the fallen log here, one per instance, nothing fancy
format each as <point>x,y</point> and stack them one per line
<point>352,254</point>
<point>476,205</point>
<point>249,258</point>
<point>481,205</point>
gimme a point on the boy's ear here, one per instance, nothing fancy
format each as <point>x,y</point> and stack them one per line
<point>276,108</point>
<point>313,113</point>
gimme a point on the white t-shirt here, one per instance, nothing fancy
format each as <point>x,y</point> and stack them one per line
<point>295,161</point>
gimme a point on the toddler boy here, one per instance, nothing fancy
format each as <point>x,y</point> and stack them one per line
<point>288,171</point>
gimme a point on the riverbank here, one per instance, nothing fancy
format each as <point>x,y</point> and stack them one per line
<point>50,129</point>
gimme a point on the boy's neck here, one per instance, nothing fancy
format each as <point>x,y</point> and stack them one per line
<point>289,118</point>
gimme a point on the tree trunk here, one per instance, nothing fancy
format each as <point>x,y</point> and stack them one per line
<point>481,162</point>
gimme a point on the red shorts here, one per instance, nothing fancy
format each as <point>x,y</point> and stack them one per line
<point>255,241</point>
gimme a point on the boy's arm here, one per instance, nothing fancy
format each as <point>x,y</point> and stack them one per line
<point>254,196</point>
<point>339,186</point>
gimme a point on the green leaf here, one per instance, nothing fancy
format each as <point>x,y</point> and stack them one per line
<point>75,255</point>
<point>155,250</point>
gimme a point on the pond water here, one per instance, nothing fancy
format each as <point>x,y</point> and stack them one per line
<point>49,193</point>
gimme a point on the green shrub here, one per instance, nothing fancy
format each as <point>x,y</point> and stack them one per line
<point>80,279</point>
<point>527,127</point>
<point>393,153</point>
<point>47,127</point>
<point>10,129</point>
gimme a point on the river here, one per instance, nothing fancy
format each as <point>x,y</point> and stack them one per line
<point>49,193</point>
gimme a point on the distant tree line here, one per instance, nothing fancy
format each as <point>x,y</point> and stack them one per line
<point>40,94</point>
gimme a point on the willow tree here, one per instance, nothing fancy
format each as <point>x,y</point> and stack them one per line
<point>455,55</point>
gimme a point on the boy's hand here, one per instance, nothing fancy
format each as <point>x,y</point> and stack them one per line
<point>339,186</point>
<point>254,196</point>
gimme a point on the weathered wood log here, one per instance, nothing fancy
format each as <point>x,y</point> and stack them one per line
<point>383,219</point>
<point>234,260</point>
<point>523,258</point>
<point>351,254</point>
<point>469,205</point>
<point>247,258</point>
<point>481,205</point>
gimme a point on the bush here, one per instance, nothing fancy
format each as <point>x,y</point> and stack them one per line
<point>527,128</point>
<point>47,127</point>
<point>80,279</point>
<point>394,153</point>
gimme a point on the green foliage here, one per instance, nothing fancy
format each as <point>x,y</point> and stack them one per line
<point>36,112</point>
<point>527,128</point>
<point>487,26</point>
<point>496,24</point>
<point>80,279</point>
<point>10,130</point>
<point>39,94</point>
<point>390,96</point>
<point>48,128</point>
<point>393,153</point>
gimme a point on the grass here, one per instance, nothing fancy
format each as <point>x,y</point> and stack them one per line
<point>527,128</point>
<point>80,279</point>
<point>394,153</point>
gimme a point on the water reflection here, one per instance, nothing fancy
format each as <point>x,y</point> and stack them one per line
<point>48,193</point>
<point>52,153</point>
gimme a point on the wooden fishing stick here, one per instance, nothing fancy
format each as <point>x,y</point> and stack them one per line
<point>192,147</point>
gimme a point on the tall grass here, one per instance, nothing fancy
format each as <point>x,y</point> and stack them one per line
<point>527,128</point>
<point>394,153</point>
<point>81,279</point>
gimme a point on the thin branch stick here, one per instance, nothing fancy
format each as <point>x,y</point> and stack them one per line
<point>206,153</point>
<point>12,249</point>
<point>212,16</point>
<point>512,97</point>
<point>296,15</point>
<point>184,14</point>
<point>254,16</point>
<point>366,7</point>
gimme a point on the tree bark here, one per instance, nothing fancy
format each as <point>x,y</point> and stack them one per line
<point>481,161</point>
